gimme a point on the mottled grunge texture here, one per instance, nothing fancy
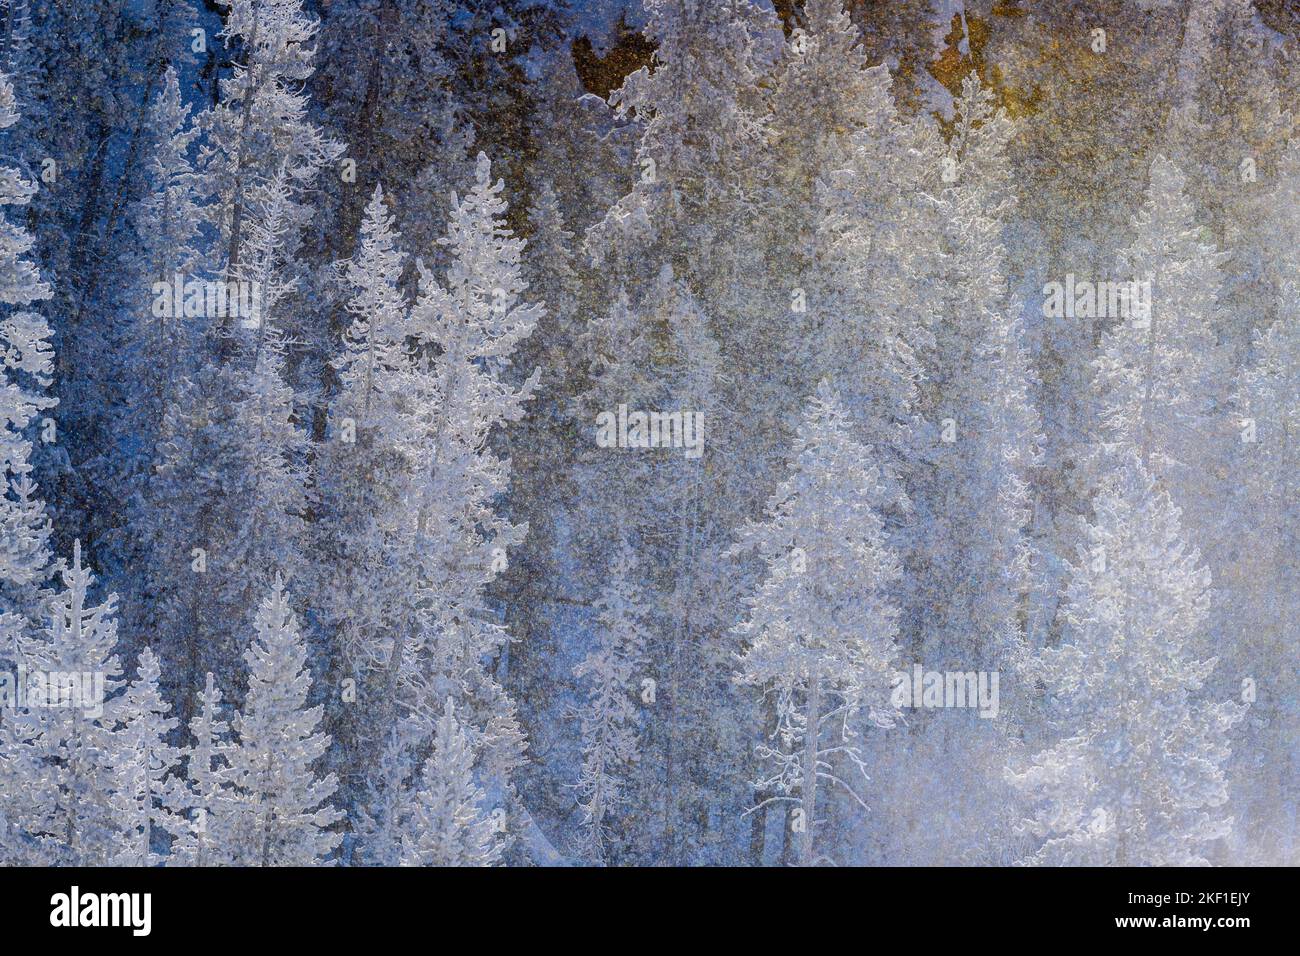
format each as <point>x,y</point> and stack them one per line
<point>649,432</point>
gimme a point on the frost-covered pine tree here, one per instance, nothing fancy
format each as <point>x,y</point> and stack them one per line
<point>259,158</point>
<point>968,488</point>
<point>657,354</point>
<point>868,286</point>
<point>1163,377</point>
<point>820,630</point>
<point>843,235</point>
<point>1261,592</point>
<point>609,716</point>
<point>699,111</point>
<point>140,764</point>
<point>156,350</point>
<point>361,464</point>
<point>87,73</point>
<point>362,475</point>
<point>825,93</point>
<point>965,594</point>
<point>383,808</point>
<point>260,127</point>
<point>544,487</point>
<point>203,803</point>
<point>449,823</point>
<point>465,330</point>
<point>56,761</point>
<point>1137,777</point>
<point>26,371</point>
<point>164,226</point>
<point>1072,217</point>
<point>219,535</point>
<point>262,525</point>
<point>1227,132</point>
<point>1260,576</point>
<point>373,348</point>
<point>281,817</point>
<point>701,119</point>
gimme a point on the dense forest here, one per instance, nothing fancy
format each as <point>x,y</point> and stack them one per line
<point>660,432</point>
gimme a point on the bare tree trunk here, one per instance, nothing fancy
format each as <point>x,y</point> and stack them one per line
<point>758,824</point>
<point>809,788</point>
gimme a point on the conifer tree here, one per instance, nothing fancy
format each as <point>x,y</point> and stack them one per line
<point>968,484</point>
<point>449,823</point>
<point>383,810</point>
<point>26,371</point>
<point>226,531</point>
<point>1136,778</point>
<point>464,331</point>
<point>281,817</point>
<point>58,752</point>
<point>1163,375</point>
<point>658,355</point>
<point>1228,132</point>
<point>259,127</point>
<point>820,631</point>
<point>157,344</point>
<point>1260,584</point>
<point>362,477</point>
<point>204,803</point>
<point>140,765</point>
<point>608,717</point>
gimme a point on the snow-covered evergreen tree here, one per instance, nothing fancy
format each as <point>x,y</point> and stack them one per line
<point>1261,584</point>
<point>1228,132</point>
<point>968,488</point>
<point>1163,376</point>
<point>362,477</point>
<point>449,823</point>
<point>464,331</point>
<point>260,127</point>
<point>658,354</point>
<point>26,371</point>
<point>227,530</point>
<point>820,631</point>
<point>373,348</point>
<point>609,731</point>
<point>966,597</point>
<point>164,223</point>
<point>140,765</point>
<point>870,281</point>
<point>230,528</point>
<point>156,348</point>
<point>204,803</point>
<point>1136,778</point>
<point>88,73</point>
<point>281,817</point>
<point>383,810</point>
<point>699,112</point>
<point>58,751</point>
